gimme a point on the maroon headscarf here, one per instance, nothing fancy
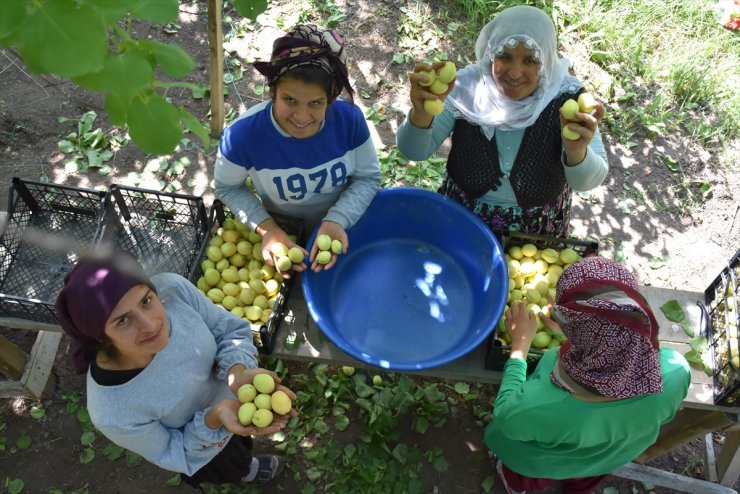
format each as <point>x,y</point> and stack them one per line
<point>309,45</point>
<point>91,291</point>
<point>612,346</point>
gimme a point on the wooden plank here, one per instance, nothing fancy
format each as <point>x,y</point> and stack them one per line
<point>670,480</point>
<point>216,53</point>
<point>728,460</point>
<point>687,425</point>
<point>11,389</point>
<point>16,323</point>
<point>669,330</point>
<point>38,378</point>
<point>710,465</point>
<point>310,345</point>
<point>12,359</point>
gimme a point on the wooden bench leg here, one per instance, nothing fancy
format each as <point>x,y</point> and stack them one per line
<point>728,460</point>
<point>37,380</point>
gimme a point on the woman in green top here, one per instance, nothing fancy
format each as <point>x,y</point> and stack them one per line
<point>595,403</point>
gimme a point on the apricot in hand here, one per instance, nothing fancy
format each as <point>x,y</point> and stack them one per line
<point>433,106</point>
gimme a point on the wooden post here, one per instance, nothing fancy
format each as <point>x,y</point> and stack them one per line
<point>687,425</point>
<point>216,51</point>
<point>728,460</point>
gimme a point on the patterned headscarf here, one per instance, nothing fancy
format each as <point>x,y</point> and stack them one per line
<point>91,291</point>
<point>476,96</point>
<point>612,345</point>
<point>309,45</point>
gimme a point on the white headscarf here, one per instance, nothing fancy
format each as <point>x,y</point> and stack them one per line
<point>476,96</point>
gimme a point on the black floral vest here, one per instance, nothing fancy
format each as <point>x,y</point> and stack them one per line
<point>537,176</point>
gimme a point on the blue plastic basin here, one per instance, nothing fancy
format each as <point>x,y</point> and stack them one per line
<point>423,283</point>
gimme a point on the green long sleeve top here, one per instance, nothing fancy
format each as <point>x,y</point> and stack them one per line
<point>541,431</point>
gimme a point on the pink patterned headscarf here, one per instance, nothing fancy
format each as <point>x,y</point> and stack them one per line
<point>612,346</point>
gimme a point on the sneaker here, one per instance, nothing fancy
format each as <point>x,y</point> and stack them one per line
<point>268,467</point>
<point>500,471</point>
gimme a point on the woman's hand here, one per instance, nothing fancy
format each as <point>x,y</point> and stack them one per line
<point>575,151</point>
<point>336,232</point>
<point>226,413</point>
<point>271,235</point>
<point>240,375</point>
<point>522,326</point>
<point>419,117</point>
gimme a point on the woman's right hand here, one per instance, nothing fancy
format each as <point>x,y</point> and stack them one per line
<point>522,326</point>
<point>272,234</point>
<point>419,117</point>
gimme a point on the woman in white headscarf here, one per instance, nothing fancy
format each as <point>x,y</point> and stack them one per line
<point>508,161</point>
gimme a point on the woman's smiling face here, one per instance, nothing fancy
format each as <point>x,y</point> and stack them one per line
<point>299,107</point>
<point>516,72</point>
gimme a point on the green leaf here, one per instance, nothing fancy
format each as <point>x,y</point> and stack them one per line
<point>176,480</point>
<point>37,412</point>
<point>132,459</point>
<point>487,484</point>
<point>341,423</point>
<point>400,453</point>
<point>24,442</point>
<point>126,75</point>
<point>113,451</point>
<point>63,38</point>
<point>13,13</point>
<point>15,486</point>
<point>156,11</point>
<point>112,10</point>
<point>250,8</point>
<point>87,456</point>
<point>87,438</point>
<point>115,107</point>
<point>440,464</point>
<point>194,126</point>
<point>462,388</point>
<point>699,343</point>
<point>693,356</point>
<point>673,311</point>
<point>200,91</point>
<point>83,416</point>
<point>154,124</point>
<point>65,146</point>
<point>421,425</point>
<point>173,60</point>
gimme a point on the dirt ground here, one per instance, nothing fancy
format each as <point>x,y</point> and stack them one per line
<point>640,214</point>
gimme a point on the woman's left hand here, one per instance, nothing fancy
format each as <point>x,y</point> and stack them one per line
<point>575,150</point>
<point>335,232</point>
<point>228,411</point>
<point>240,375</point>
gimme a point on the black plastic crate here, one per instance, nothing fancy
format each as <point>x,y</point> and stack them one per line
<point>264,333</point>
<point>497,353</point>
<point>166,232</point>
<point>722,315</point>
<point>47,228</point>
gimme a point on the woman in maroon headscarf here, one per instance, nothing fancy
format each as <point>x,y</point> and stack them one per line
<point>597,402</point>
<point>163,366</point>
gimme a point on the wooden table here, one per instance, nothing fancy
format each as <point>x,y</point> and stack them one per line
<point>299,338</point>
